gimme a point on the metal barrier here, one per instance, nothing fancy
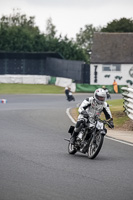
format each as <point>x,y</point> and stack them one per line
<point>128,101</point>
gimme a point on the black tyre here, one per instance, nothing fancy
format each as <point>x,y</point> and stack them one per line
<point>95,146</point>
<point>71,149</point>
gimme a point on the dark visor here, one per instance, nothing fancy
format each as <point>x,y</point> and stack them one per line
<point>100,98</point>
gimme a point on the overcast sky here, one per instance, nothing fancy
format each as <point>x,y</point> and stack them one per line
<point>70,15</point>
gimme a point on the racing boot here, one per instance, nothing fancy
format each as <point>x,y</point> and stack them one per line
<point>73,138</point>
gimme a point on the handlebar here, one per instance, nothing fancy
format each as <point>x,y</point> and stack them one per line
<point>105,122</point>
<point>100,120</point>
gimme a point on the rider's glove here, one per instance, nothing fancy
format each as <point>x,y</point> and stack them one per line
<point>85,114</point>
<point>111,124</point>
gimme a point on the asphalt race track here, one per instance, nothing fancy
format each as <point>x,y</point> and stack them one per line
<point>35,164</point>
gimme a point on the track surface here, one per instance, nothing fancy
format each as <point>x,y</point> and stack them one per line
<point>35,165</point>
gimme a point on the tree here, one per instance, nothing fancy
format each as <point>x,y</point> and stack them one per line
<point>70,50</point>
<point>84,38</point>
<point>50,28</point>
<point>16,19</point>
<point>19,34</point>
<point>122,25</point>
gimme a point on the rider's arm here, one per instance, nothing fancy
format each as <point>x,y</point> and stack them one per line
<point>106,111</point>
<point>85,104</point>
<point>108,115</point>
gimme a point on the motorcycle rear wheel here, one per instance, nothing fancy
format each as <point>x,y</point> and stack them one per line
<point>95,146</point>
<point>71,148</point>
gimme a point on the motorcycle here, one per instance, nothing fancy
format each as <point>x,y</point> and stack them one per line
<point>69,94</point>
<point>90,138</point>
<point>70,97</point>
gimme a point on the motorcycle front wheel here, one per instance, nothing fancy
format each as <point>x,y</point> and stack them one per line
<point>71,148</point>
<point>95,146</point>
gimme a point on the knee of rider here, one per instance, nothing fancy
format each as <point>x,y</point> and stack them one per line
<point>78,128</point>
<point>77,124</point>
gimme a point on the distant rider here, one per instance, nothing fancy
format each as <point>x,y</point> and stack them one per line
<point>93,106</point>
<point>107,92</point>
<point>69,94</point>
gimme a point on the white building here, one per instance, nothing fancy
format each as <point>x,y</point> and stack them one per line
<point>112,59</point>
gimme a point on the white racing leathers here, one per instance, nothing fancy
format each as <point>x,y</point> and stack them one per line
<point>93,109</point>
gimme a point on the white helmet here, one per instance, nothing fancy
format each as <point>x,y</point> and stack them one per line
<point>100,95</point>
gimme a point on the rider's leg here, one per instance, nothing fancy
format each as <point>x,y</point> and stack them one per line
<point>73,138</point>
<point>77,128</point>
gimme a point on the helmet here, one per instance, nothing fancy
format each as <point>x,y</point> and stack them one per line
<point>103,86</point>
<point>100,95</point>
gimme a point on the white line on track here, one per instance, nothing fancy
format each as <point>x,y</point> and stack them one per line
<point>68,113</point>
<point>116,140</point>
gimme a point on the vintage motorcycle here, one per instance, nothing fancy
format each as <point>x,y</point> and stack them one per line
<point>90,138</point>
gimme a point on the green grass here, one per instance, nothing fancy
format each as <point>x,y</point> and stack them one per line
<point>119,116</point>
<point>6,88</point>
<point>116,105</point>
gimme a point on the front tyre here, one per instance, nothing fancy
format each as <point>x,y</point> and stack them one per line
<point>71,148</point>
<point>95,145</point>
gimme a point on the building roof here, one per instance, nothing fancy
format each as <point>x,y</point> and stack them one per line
<point>112,48</point>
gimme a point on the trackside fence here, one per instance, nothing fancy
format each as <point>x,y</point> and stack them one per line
<point>128,101</point>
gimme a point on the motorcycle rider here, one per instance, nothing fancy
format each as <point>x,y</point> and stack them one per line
<point>107,92</point>
<point>69,94</point>
<point>93,106</point>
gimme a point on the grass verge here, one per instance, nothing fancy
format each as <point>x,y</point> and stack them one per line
<point>121,120</point>
<point>6,88</point>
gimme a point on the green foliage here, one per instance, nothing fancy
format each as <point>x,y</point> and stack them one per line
<point>122,25</point>
<point>19,34</point>
<point>50,29</point>
<point>70,50</point>
<point>84,38</point>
